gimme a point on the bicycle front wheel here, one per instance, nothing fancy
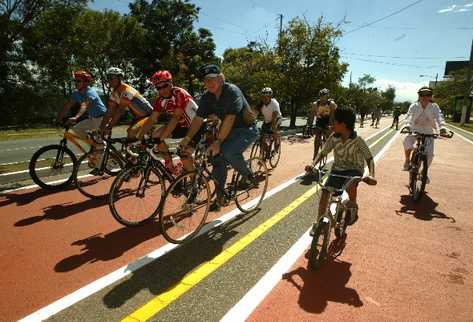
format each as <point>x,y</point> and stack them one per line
<point>320,241</point>
<point>95,183</point>
<point>275,153</point>
<point>185,207</point>
<point>419,178</point>
<point>250,198</point>
<point>136,195</point>
<point>52,167</point>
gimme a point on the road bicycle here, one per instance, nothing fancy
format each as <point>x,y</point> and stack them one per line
<point>267,148</point>
<point>335,217</point>
<point>52,167</point>
<point>112,160</point>
<point>137,192</point>
<point>418,169</point>
<point>186,202</point>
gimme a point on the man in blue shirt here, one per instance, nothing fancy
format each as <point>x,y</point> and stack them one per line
<point>226,102</point>
<point>90,111</point>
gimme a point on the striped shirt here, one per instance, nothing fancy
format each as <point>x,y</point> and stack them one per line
<point>348,155</point>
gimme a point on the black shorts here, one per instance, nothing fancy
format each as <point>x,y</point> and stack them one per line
<point>338,182</point>
<point>179,132</point>
<point>322,122</point>
<point>267,128</point>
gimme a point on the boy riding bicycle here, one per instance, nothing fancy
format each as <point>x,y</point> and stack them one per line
<point>350,154</point>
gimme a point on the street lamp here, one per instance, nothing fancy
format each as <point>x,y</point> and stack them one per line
<point>436,78</point>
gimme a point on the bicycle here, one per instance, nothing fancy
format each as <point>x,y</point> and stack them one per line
<point>186,202</point>
<point>335,217</point>
<point>419,164</point>
<point>137,192</point>
<point>96,184</point>
<point>52,167</point>
<point>266,148</point>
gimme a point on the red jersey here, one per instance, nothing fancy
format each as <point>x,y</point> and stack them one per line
<point>180,99</point>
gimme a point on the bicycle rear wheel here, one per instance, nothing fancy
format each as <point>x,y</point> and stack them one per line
<point>275,153</point>
<point>185,207</point>
<point>136,195</point>
<point>95,183</point>
<point>52,167</point>
<point>250,198</point>
<point>319,244</point>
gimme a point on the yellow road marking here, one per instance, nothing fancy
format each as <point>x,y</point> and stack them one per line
<point>193,278</point>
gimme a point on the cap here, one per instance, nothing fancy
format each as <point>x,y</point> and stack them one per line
<point>210,71</point>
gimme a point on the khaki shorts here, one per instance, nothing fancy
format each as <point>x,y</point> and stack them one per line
<point>86,125</point>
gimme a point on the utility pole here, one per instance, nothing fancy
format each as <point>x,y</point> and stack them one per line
<point>467,88</point>
<point>280,32</point>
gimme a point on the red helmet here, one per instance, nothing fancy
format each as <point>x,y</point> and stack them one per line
<point>161,76</point>
<point>82,74</point>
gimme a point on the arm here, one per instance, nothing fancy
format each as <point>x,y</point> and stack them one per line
<point>328,146</point>
<point>172,123</point>
<point>274,121</point>
<point>226,127</point>
<point>195,126</point>
<point>333,106</point>
<point>410,115</point>
<point>66,108</point>
<point>439,117</point>
<point>82,109</point>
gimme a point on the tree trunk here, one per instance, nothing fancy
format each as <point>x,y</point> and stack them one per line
<point>293,114</point>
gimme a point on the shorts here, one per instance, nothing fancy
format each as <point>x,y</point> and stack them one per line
<point>338,182</point>
<point>138,122</point>
<point>87,125</point>
<point>266,128</point>
<point>322,122</point>
<point>410,140</point>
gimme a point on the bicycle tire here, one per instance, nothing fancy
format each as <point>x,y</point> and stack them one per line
<point>249,199</point>
<point>318,248</point>
<point>97,186</point>
<point>255,149</point>
<point>340,230</point>
<point>40,157</point>
<point>123,186</point>
<point>422,169</point>
<point>275,155</point>
<point>174,212</point>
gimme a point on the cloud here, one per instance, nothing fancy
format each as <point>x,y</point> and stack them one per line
<point>456,8</point>
<point>405,91</point>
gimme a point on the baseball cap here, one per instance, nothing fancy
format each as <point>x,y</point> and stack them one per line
<point>210,71</point>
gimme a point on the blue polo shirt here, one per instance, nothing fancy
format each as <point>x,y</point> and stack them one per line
<point>231,102</point>
<point>96,107</point>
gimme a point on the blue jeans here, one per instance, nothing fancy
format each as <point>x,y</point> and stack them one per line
<point>231,152</point>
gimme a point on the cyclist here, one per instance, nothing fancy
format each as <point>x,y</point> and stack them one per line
<point>376,116</point>
<point>271,114</point>
<point>91,108</point>
<point>350,154</point>
<point>227,102</point>
<point>323,109</point>
<point>422,117</point>
<point>177,103</point>
<point>124,97</point>
<point>396,114</point>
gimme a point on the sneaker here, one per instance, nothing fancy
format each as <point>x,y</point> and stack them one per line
<point>247,183</point>
<point>406,166</point>
<point>215,206</point>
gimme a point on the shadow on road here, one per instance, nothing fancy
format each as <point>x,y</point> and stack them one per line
<point>23,198</point>
<point>62,211</point>
<point>168,270</point>
<point>424,209</point>
<point>327,284</point>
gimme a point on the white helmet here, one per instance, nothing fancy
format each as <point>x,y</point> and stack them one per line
<point>115,71</point>
<point>267,91</point>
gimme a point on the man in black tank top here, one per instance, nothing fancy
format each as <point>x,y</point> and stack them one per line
<point>323,109</point>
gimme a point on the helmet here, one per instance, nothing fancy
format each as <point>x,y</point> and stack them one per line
<point>161,76</point>
<point>323,91</point>
<point>267,91</point>
<point>82,74</point>
<point>115,71</point>
<point>425,90</point>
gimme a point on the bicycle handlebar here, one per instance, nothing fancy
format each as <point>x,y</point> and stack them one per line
<point>351,179</point>
<point>407,130</point>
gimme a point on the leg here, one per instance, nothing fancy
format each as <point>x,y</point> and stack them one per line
<point>233,147</point>
<point>408,147</point>
<point>317,141</point>
<point>323,204</point>
<point>351,205</point>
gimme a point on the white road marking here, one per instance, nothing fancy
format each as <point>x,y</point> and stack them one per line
<point>123,271</point>
<point>248,303</point>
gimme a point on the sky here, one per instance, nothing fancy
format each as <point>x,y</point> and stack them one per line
<point>403,43</point>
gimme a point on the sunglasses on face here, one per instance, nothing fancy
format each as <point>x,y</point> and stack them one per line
<point>162,86</point>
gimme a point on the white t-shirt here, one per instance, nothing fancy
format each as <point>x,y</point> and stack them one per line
<point>267,110</point>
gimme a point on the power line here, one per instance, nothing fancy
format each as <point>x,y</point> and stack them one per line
<point>390,63</point>
<point>403,57</point>
<point>385,17</point>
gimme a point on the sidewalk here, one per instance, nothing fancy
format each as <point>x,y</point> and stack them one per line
<point>403,261</point>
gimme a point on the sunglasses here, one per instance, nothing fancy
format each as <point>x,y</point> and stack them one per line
<point>162,86</point>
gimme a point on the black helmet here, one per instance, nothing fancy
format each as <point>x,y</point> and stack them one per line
<point>425,90</point>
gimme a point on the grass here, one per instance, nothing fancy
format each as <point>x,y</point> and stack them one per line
<point>6,135</point>
<point>467,126</point>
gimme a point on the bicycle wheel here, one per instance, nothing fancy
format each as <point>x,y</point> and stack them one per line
<point>52,167</point>
<point>342,223</point>
<point>185,207</point>
<point>318,246</point>
<point>275,154</point>
<point>250,198</point>
<point>95,183</point>
<point>255,149</point>
<point>136,195</point>
<point>418,177</point>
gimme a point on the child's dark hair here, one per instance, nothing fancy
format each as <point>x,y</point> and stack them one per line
<point>347,116</point>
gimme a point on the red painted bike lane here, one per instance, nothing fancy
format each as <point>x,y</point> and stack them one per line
<point>55,243</point>
<point>403,261</point>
